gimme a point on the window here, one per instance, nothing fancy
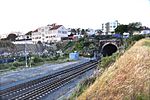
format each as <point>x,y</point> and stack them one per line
<point>59,31</point>
<point>42,30</point>
<point>63,32</point>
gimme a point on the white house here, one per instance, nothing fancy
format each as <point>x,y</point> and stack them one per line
<point>90,31</point>
<point>145,31</point>
<point>49,34</point>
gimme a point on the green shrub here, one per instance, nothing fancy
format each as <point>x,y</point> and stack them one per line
<point>55,58</point>
<point>131,40</point>
<point>5,66</point>
<point>142,97</point>
<point>37,59</point>
<point>17,64</point>
<point>137,37</point>
<point>70,44</point>
<point>106,61</point>
<point>21,59</point>
<point>48,59</point>
<point>12,68</point>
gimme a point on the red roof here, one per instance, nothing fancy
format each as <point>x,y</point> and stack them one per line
<point>52,27</point>
<point>35,30</point>
<point>55,27</point>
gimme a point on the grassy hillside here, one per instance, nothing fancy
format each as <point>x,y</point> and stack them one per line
<point>127,79</point>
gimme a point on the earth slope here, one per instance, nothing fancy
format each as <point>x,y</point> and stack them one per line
<point>128,78</point>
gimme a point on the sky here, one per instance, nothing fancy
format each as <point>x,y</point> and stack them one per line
<point>28,15</point>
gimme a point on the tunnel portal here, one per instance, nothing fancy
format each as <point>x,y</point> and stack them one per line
<point>108,49</point>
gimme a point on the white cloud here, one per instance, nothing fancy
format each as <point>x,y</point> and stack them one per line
<point>26,15</point>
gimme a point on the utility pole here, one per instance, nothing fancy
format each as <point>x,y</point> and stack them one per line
<point>26,62</point>
<point>29,60</point>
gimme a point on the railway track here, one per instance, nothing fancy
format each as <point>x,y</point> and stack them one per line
<point>38,81</point>
<point>38,88</point>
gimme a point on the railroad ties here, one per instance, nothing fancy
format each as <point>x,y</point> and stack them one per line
<point>39,88</point>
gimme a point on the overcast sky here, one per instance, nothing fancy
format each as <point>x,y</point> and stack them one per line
<point>27,15</point>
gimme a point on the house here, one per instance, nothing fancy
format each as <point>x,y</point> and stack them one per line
<point>90,31</point>
<point>49,34</point>
<point>108,28</point>
<point>145,30</point>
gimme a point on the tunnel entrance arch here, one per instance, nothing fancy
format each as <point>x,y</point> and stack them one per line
<point>108,49</point>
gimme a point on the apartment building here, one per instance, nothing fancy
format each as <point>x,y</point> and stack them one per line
<point>49,34</point>
<point>109,27</point>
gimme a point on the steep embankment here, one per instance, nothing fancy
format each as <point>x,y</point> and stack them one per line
<point>127,79</point>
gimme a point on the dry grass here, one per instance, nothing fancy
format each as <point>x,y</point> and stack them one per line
<point>128,77</point>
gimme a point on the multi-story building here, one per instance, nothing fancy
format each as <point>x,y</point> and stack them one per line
<point>49,34</point>
<point>109,27</point>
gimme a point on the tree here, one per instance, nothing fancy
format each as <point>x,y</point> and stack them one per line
<point>135,26</point>
<point>83,32</point>
<point>131,27</point>
<point>11,37</point>
<point>78,30</point>
<point>121,29</point>
<point>73,31</point>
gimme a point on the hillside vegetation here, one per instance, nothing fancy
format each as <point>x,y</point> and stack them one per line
<point>127,79</point>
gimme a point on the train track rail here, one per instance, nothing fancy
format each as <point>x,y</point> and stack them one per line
<point>37,89</point>
<point>38,81</point>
